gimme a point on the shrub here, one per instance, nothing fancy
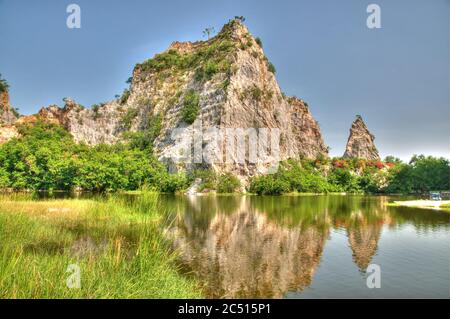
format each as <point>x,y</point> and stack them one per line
<point>154,126</point>
<point>259,42</point>
<point>128,117</point>
<point>210,68</point>
<point>228,183</point>
<point>125,96</point>
<point>208,177</point>
<point>269,185</point>
<point>271,68</point>
<point>4,86</point>
<point>345,180</point>
<point>253,92</point>
<point>191,107</point>
<point>171,183</point>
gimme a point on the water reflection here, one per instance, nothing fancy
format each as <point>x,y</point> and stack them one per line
<point>263,247</point>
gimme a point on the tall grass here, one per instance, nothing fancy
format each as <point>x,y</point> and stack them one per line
<point>117,244</point>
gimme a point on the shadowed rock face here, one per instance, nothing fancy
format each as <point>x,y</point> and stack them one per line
<point>245,255</point>
<point>241,92</point>
<point>6,114</point>
<point>7,117</point>
<point>360,143</point>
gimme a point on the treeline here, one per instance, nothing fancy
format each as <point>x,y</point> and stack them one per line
<point>45,157</point>
<point>420,175</point>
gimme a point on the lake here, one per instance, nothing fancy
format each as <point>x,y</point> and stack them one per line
<point>309,246</point>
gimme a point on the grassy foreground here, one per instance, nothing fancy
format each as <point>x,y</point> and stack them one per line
<point>118,247</point>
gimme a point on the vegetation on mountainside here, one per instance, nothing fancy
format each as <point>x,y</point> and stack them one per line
<point>222,183</point>
<point>127,119</point>
<point>191,108</point>
<point>259,41</point>
<point>125,96</point>
<point>208,59</point>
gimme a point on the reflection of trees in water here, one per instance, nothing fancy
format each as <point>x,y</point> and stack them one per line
<point>245,255</point>
<point>264,246</point>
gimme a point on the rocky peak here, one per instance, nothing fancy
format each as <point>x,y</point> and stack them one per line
<point>360,143</point>
<point>182,47</point>
<point>226,81</point>
<point>7,115</point>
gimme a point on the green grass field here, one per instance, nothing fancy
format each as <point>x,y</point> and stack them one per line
<point>117,246</point>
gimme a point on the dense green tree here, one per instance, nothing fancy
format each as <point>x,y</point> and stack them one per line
<point>227,183</point>
<point>45,157</point>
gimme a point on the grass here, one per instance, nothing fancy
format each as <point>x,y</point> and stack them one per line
<point>423,204</point>
<point>119,248</point>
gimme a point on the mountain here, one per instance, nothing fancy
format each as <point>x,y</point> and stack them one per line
<point>7,116</point>
<point>360,142</point>
<point>225,83</point>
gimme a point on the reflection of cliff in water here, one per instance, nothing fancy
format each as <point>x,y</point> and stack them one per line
<point>244,254</point>
<point>363,241</point>
<point>364,225</point>
<point>262,246</point>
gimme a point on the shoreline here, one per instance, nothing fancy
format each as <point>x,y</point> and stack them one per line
<point>441,205</point>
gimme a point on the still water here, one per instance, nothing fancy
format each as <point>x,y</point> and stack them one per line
<point>309,246</point>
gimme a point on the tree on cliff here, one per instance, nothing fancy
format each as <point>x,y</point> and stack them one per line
<point>208,31</point>
<point>3,84</point>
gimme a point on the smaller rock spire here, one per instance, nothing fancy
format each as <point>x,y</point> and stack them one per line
<point>360,143</point>
<point>7,115</point>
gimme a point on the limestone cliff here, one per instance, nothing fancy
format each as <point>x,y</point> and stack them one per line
<point>7,114</point>
<point>360,143</point>
<point>228,83</point>
<point>7,117</point>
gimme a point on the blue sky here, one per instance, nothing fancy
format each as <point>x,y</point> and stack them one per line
<point>396,77</point>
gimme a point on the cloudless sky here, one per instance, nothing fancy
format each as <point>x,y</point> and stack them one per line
<point>396,77</point>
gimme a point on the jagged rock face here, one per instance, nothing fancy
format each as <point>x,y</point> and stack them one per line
<point>360,143</point>
<point>7,116</point>
<point>235,88</point>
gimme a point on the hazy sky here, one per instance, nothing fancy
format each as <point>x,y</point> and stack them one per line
<point>396,77</point>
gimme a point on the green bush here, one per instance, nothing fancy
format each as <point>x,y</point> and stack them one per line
<point>4,86</point>
<point>422,174</point>
<point>125,96</point>
<point>228,183</point>
<point>154,126</point>
<point>128,117</point>
<point>191,107</point>
<point>208,177</point>
<point>259,41</point>
<point>269,185</point>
